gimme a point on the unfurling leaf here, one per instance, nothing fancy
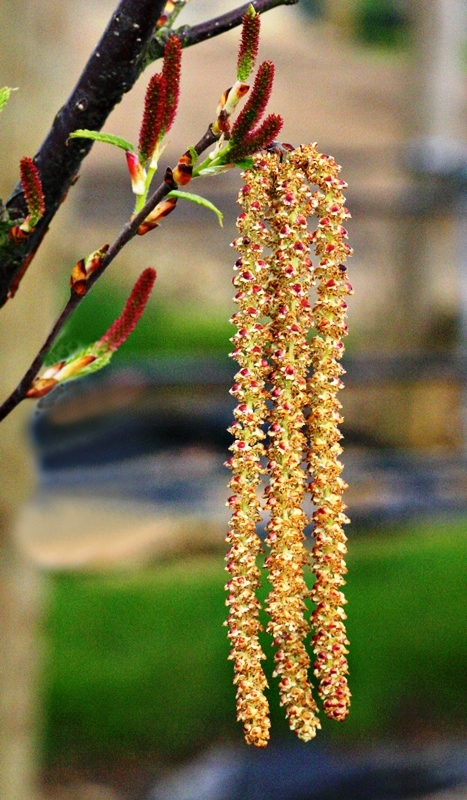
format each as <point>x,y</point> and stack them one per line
<point>137,173</point>
<point>5,96</point>
<point>107,138</point>
<point>200,201</point>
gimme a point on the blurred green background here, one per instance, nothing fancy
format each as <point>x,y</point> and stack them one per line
<point>137,669</point>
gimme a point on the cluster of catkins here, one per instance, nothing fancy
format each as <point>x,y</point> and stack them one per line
<point>299,452</point>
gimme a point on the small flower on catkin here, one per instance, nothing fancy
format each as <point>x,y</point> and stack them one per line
<point>249,389</point>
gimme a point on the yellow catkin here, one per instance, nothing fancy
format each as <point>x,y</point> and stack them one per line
<point>250,413</point>
<point>329,312</point>
<point>273,278</point>
<point>289,355</point>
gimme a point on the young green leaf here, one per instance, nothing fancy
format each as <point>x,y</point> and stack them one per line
<point>200,201</point>
<point>108,138</point>
<point>194,155</point>
<point>5,96</point>
<point>245,163</point>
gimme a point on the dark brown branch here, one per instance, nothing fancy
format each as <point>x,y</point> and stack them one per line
<point>113,68</point>
<point>126,234</point>
<point>111,71</point>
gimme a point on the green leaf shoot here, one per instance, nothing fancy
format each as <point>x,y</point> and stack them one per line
<point>107,138</point>
<point>200,201</point>
<point>193,154</point>
<point>5,96</point>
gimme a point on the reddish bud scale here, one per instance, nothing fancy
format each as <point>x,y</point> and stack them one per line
<point>163,209</point>
<point>55,374</point>
<point>153,117</point>
<point>184,169</point>
<point>165,16</point>
<point>137,173</point>
<point>33,192</point>
<point>84,268</point>
<point>171,71</point>
<point>249,44</point>
<point>134,307</point>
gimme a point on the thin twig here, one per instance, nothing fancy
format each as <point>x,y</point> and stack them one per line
<point>195,34</point>
<point>112,70</point>
<point>126,234</point>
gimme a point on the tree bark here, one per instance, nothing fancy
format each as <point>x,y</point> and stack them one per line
<point>111,71</point>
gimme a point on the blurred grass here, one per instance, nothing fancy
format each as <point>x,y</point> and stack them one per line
<point>137,661</point>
